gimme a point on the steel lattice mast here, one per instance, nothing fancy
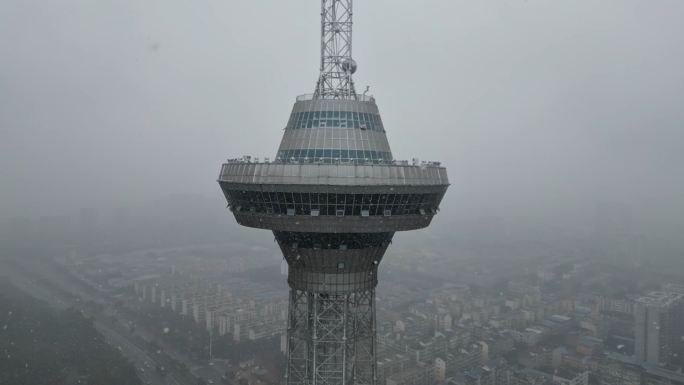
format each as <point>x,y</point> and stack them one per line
<point>337,66</point>
<point>333,197</point>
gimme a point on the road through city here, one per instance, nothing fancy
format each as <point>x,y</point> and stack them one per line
<point>143,362</point>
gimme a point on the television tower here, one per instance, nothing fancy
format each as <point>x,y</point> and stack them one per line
<point>334,196</point>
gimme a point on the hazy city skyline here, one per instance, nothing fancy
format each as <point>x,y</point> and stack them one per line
<point>556,256</point>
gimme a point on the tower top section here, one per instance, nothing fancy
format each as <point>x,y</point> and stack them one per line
<point>337,66</point>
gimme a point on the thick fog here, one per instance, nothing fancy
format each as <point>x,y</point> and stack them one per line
<point>539,108</point>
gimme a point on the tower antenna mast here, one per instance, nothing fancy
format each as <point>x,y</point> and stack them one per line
<point>337,66</point>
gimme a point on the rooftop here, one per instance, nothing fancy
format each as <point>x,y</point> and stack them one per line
<point>567,374</point>
<point>659,299</point>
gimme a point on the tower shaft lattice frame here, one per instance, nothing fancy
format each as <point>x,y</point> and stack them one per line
<point>335,79</point>
<point>331,338</point>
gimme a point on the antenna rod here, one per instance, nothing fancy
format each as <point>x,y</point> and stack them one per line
<point>337,66</point>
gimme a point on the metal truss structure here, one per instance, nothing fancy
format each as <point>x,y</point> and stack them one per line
<point>337,66</point>
<point>331,338</point>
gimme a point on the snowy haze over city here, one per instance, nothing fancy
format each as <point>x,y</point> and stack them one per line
<point>539,109</point>
<point>555,256</point>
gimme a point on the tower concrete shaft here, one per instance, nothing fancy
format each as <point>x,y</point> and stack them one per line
<point>337,66</point>
<point>333,198</point>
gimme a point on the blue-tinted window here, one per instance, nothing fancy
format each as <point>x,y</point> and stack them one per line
<point>335,153</point>
<point>327,153</point>
<point>348,119</point>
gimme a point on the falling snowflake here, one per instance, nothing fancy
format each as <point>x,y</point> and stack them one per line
<point>166,330</point>
<point>620,346</point>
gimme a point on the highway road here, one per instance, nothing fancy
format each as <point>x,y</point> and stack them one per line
<point>208,373</point>
<point>137,356</point>
<point>143,363</point>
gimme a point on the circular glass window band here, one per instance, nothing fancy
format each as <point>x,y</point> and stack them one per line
<point>330,203</point>
<point>330,156</point>
<point>335,119</point>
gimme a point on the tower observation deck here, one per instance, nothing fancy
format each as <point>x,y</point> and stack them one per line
<point>333,196</point>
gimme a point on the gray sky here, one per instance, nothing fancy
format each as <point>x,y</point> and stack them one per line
<point>545,105</point>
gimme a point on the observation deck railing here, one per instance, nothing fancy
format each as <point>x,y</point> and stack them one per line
<point>359,97</point>
<point>359,162</point>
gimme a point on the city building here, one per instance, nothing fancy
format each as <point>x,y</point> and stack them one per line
<point>413,375</point>
<point>531,336</point>
<point>570,377</point>
<point>390,365</point>
<point>659,327</point>
<point>673,288</point>
<point>522,287</point>
<point>625,305</point>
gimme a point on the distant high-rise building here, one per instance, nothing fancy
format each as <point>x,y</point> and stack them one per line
<point>659,327</point>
